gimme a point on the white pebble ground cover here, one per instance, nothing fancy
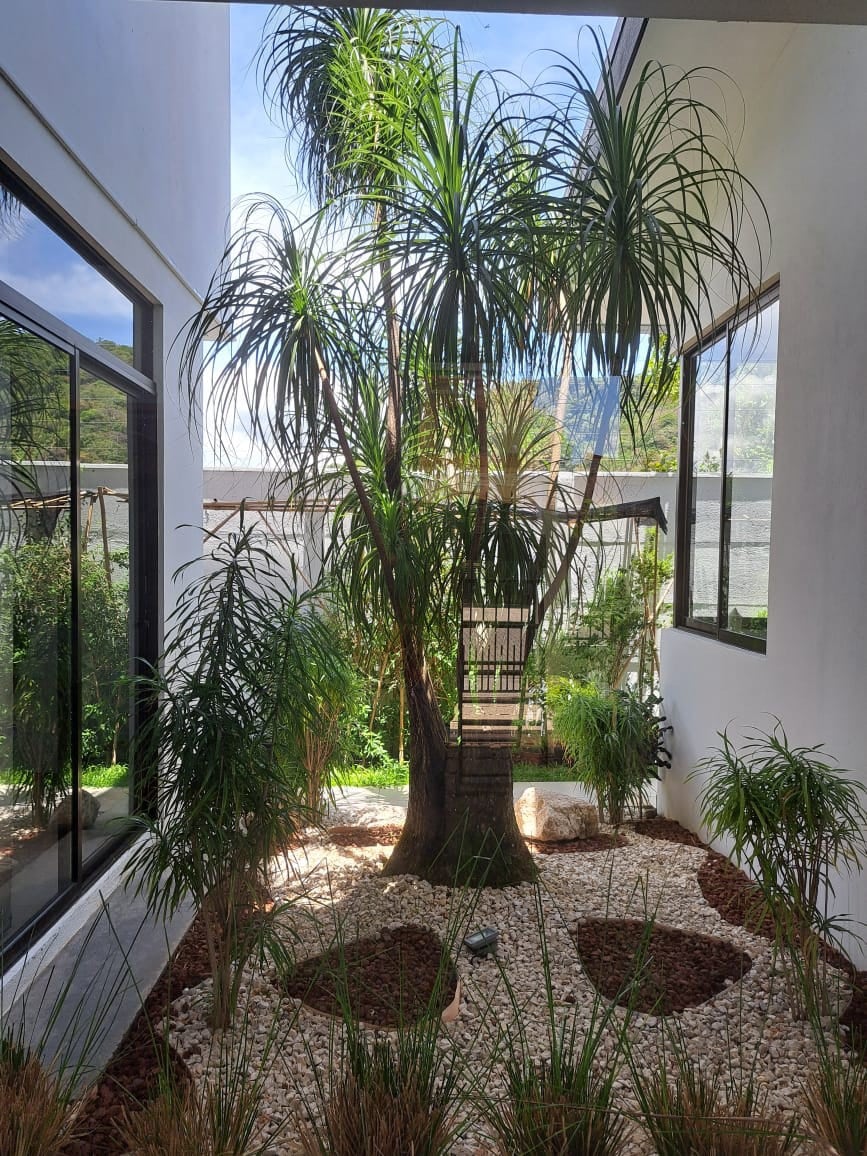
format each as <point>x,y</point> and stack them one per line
<point>748,1025</point>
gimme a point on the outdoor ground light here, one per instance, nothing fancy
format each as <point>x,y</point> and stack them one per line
<point>482,942</point>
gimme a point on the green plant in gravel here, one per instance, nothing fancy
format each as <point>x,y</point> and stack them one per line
<point>395,1096</point>
<point>220,1119</point>
<point>694,1110</point>
<point>239,670</point>
<point>615,740</point>
<point>794,820</point>
<point>835,1100</point>
<point>392,1094</point>
<point>565,1103</point>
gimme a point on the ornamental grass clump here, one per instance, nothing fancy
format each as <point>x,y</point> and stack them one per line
<point>614,739</point>
<point>219,1121</point>
<point>696,1111</point>
<point>794,821</point>
<point>563,1105</point>
<point>35,1111</point>
<point>396,1096</point>
<point>835,1096</point>
<point>238,674</point>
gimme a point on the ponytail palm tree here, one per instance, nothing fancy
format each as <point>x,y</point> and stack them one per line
<point>652,223</point>
<point>461,245</point>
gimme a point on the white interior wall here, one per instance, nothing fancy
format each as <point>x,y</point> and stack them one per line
<point>806,101</point>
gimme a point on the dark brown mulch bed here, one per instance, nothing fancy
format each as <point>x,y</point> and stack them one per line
<point>603,842</point>
<point>131,1078</point>
<point>676,969</point>
<point>668,830</point>
<point>737,899</point>
<point>349,835</point>
<point>387,979</point>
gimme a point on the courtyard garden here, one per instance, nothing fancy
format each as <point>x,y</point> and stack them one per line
<point>490,286</point>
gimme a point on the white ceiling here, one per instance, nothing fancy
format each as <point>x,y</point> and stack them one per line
<point>778,11</point>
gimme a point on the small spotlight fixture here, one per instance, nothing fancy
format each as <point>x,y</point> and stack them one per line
<point>482,943</point>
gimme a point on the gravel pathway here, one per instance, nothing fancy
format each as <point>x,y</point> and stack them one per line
<point>748,1025</point>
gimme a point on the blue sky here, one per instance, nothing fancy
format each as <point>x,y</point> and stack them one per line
<point>45,269</point>
<point>511,41</point>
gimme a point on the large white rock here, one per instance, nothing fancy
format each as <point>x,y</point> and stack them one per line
<point>554,818</point>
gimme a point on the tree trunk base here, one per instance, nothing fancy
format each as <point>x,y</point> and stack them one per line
<point>477,843</point>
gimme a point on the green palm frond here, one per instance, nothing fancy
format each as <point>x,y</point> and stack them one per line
<point>661,224</point>
<point>280,311</point>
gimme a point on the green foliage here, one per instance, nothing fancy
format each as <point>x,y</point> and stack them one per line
<point>614,740</point>
<point>395,1096</point>
<point>619,621</point>
<point>793,819</point>
<point>243,663</point>
<point>695,1110</point>
<point>311,746</point>
<point>464,237</point>
<point>836,1100</point>
<point>39,575</point>
<point>564,1104</point>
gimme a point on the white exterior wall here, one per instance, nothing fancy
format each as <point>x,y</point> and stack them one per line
<point>806,106</point>
<point>116,113</point>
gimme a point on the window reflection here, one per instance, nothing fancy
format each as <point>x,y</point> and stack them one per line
<point>38,263</point>
<point>104,609</point>
<point>732,453</point>
<point>36,720</point>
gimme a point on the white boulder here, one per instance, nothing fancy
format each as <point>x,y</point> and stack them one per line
<point>555,818</point>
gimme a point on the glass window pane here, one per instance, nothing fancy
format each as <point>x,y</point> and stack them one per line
<point>706,484</point>
<point>38,263</point>
<point>750,471</point>
<point>104,603</point>
<point>35,626</point>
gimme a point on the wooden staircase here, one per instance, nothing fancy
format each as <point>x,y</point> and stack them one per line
<point>490,673</point>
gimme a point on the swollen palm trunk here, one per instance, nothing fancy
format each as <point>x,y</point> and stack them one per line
<point>460,824</point>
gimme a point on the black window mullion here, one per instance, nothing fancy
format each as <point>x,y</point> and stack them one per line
<point>725,516</point>
<point>75,640</point>
<point>686,495</point>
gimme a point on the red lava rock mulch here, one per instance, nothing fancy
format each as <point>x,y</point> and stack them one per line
<point>737,899</point>
<point>603,842</point>
<point>678,969</point>
<point>386,979</point>
<point>349,835</point>
<point>131,1078</point>
<point>669,830</point>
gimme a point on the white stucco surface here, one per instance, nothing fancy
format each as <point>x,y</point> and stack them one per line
<point>805,97</point>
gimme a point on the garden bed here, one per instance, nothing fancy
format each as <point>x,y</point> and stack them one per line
<point>387,979</point>
<point>657,969</point>
<point>342,884</point>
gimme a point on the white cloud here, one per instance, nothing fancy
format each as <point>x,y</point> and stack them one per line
<point>74,291</point>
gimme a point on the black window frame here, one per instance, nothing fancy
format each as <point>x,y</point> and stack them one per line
<point>137,383</point>
<point>769,294</point>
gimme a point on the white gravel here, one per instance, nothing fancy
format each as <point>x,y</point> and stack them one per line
<point>748,1025</point>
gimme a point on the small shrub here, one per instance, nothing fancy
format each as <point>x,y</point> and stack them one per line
<point>793,819</point>
<point>836,1101</point>
<point>614,740</point>
<point>35,1114</point>
<point>694,1111</point>
<point>238,672</point>
<point>396,1097</point>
